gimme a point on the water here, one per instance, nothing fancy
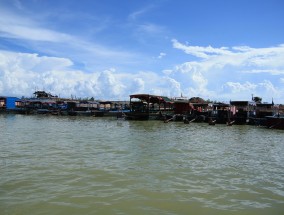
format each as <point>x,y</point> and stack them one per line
<point>88,165</point>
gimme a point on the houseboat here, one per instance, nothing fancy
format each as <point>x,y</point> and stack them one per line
<point>242,111</point>
<point>82,108</point>
<point>182,108</point>
<point>10,105</point>
<point>146,106</point>
<point>262,111</point>
<point>200,110</point>
<point>221,113</point>
<point>275,122</point>
<point>41,103</point>
<point>113,108</point>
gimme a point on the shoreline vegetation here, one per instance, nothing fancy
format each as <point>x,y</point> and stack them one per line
<point>153,107</point>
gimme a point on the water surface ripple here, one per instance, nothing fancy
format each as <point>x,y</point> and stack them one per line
<point>88,165</point>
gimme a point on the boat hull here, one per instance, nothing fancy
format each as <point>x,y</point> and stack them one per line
<point>275,122</point>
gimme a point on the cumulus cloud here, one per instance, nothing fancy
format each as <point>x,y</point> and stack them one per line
<point>23,73</point>
<point>138,85</point>
<point>225,73</point>
<point>265,89</point>
<point>232,73</point>
<point>236,56</point>
<point>236,87</point>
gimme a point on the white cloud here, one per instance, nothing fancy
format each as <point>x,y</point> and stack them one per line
<point>227,73</point>
<point>22,73</point>
<point>168,86</point>
<point>269,71</point>
<point>236,87</point>
<point>269,88</point>
<point>198,51</point>
<point>150,29</point>
<point>138,86</point>
<point>263,89</point>
<point>237,56</point>
<point>15,26</point>
<point>37,34</point>
<point>134,16</point>
<point>109,85</point>
<point>161,55</point>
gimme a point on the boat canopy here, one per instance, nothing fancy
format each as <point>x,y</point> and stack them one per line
<point>151,98</point>
<point>243,103</point>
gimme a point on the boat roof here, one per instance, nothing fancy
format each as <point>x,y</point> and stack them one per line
<point>242,103</point>
<point>264,104</point>
<point>151,98</point>
<point>219,104</point>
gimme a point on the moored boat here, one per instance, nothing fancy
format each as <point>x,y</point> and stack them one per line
<point>146,107</point>
<point>242,111</point>
<point>276,121</point>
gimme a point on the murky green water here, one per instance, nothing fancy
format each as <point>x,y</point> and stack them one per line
<point>73,165</point>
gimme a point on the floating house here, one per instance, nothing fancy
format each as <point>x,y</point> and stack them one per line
<point>220,113</point>
<point>194,109</point>
<point>146,106</point>
<point>182,108</point>
<point>9,104</point>
<point>82,108</point>
<point>242,111</point>
<point>200,111</point>
<point>261,112</point>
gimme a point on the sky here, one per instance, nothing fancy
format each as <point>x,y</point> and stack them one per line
<point>219,50</point>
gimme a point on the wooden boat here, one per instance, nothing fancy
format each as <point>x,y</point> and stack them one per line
<point>242,111</point>
<point>220,113</point>
<point>263,110</point>
<point>146,107</point>
<point>230,123</point>
<point>211,121</point>
<point>186,121</point>
<point>275,122</point>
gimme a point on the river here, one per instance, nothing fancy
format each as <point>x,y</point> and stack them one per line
<point>88,165</point>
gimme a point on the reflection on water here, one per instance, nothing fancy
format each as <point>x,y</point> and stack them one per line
<point>77,165</point>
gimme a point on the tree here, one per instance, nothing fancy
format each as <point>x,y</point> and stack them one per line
<point>257,99</point>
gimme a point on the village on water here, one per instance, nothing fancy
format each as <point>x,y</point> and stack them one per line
<point>153,107</point>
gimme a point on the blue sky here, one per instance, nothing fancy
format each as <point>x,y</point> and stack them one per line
<point>219,50</point>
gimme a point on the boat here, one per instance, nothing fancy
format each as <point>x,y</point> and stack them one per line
<point>275,122</point>
<point>220,113</point>
<point>242,111</point>
<point>211,121</point>
<point>82,108</point>
<point>262,111</point>
<point>147,107</point>
<point>200,110</point>
<point>182,109</point>
<point>230,123</point>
